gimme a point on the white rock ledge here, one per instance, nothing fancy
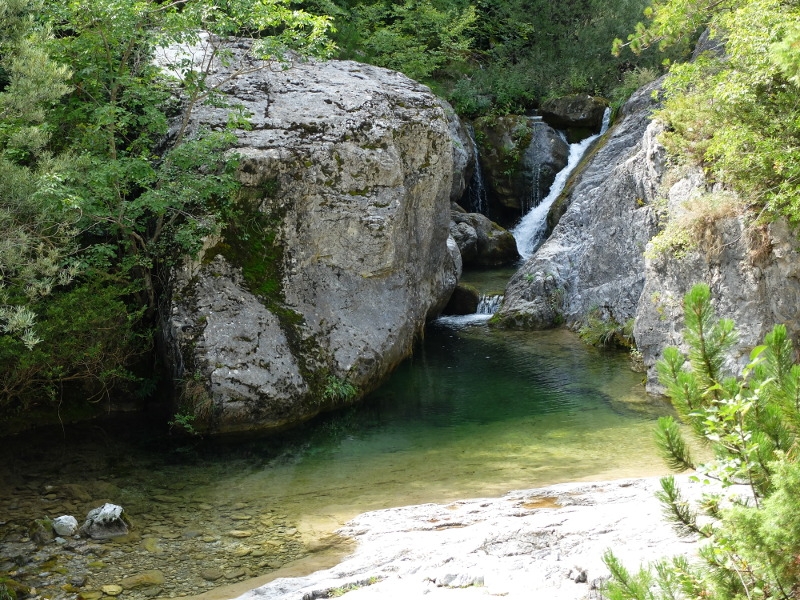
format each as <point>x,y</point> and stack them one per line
<point>544,543</point>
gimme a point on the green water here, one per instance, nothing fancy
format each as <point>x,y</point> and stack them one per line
<point>475,412</point>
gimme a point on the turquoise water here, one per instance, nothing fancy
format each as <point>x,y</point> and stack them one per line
<point>475,412</point>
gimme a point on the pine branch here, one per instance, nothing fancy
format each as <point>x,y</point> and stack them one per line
<point>672,446</point>
<point>677,510</point>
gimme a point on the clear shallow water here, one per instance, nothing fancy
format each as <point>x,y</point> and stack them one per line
<point>475,412</point>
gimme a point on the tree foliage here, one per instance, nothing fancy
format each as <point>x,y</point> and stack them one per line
<point>492,56</point>
<point>734,110</point>
<point>751,424</point>
<point>103,186</point>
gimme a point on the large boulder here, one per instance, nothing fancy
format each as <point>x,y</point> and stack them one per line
<point>482,242</point>
<point>340,256</point>
<point>579,115</point>
<point>519,158</point>
<point>594,258</point>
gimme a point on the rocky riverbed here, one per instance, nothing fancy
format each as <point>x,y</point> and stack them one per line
<point>541,543</point>
<point>178,545</point>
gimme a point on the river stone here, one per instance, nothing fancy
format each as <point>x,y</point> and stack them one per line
<point>65,525</point>
<point>112,590</point>
<point>90,595</point>
<point>105,522</point>
<point>212,574</point>
<point>151,544</point>
<point>235,573</point>
<point>144,579</point>
<point>351,166</point>
<point>240,533</point>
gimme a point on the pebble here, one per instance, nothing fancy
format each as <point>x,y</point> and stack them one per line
<point>112,590</point>
<point>151,545</point>
<point>235,573</point>
<point>212,574</point>
<point>167,499</point>
<point>240,533</point>
<point>147,578</point>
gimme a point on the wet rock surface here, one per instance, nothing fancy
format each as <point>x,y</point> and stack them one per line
<point>594,258</point>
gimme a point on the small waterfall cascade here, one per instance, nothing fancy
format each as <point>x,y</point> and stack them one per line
<point>476,189</point>
<point>488,304</point>
<point>531,230</point>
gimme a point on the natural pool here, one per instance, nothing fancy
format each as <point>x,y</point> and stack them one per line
<point>475,412</point>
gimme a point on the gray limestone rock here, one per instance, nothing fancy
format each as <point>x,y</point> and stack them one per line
<point>483,242</point>
<point>753,272</point>
<point>580,115</point>
<point>594,258</point>
<point>65,525</point>
<point>105,522</point>
<point>520,158</point>
<point>464,153</point>
<point>545,156</point>
<point>342,255</point>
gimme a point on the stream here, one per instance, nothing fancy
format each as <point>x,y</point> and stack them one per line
<point>475,412</point>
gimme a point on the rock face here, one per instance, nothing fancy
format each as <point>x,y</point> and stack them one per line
<point>342,253</point>
<point>594,259</point>
<point>600,259</point>
<point>753,272</point>
<point>580,115</point>
<point>520,159</point>
<point>543,543</point>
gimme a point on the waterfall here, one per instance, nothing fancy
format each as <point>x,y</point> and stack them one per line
<point>487,306</point>
<point>476,189</point>
<point>531,230</point>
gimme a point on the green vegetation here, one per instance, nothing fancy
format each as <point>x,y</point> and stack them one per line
<point>489,56</point>
<point>600,331</point>
<point>735,112</point>
<point>95,206</point>
<point>751,425</point>
<point>339,390</point>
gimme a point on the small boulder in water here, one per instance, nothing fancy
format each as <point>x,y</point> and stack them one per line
<point>105,522</point>
<point>464,301</point>
<point>65,525</point>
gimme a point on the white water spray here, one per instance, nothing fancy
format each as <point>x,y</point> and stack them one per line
<point>530,231</point>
